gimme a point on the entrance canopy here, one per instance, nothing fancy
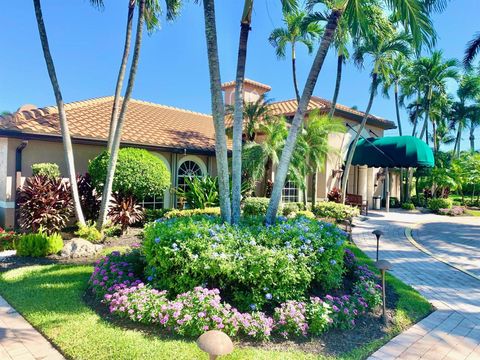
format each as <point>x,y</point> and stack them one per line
<point>393,151</point>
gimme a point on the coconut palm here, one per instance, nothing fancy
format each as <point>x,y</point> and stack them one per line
<point>397,70</point>
<point>312,150</point>
<point>413,14</point>
<point>299,29</point>
<point>433,72</point>
<point>473,47</point>
<point>382,52</point>
<point>67,142</point>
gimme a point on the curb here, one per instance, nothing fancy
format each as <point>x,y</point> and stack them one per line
<point>409,236</point>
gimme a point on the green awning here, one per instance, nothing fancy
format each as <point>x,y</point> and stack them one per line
<point>393,151</point>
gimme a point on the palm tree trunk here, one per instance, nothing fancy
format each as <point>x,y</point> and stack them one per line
<point>415,120</point>
<point>425,125</point>
<point>337,85</point>
<point>456,148</point>
<point>397,109</point>
<point>294,72</point>
<point>238,112</point>
<point>121,75</point>
<point>314,187</point>
<point>297,122</point>
<point>218,109</point>
<point>112,163</point>
<point>348,163</point>
<point>67,141</point>
<point>472,137</point>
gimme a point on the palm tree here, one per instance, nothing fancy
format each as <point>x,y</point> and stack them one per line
<point>397,69</point>
<point>416,21</point>
<point>473,47</point>
<point>67,141</point>
<point>298,30</point>
<point>433,72</point>
<point>382,50</point>
<point>312,150</point>
<point>115,147</point>
<point>218,109</point>
<point>259,158</point>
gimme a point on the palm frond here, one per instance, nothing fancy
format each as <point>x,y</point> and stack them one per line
<point>472,50</point>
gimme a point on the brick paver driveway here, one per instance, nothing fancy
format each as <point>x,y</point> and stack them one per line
<point>456,240</point>
<point>453,330</point>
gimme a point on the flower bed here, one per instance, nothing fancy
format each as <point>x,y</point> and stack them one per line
<point>117,281</point>
<point>258,266</point>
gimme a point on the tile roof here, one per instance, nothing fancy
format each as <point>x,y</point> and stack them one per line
<point>249,82</point>
<point>146,123</point>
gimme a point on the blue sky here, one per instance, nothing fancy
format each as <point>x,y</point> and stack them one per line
<point>87,45</point>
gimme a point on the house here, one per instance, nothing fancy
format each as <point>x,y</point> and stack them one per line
<point>183,139</point>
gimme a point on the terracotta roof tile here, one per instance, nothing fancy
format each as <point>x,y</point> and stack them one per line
<point>247,81</point>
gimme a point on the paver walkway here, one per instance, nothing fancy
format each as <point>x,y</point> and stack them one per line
<point>19,340</point>
<point>453,330</point>
<point>456,240</point>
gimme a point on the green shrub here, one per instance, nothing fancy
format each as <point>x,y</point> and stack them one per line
<point>49,170</point>
<point>328,209</point>
<point>154,214</point>
<point>439,203</point>
<point>293,207</point>
<point>200,192</point>
<point>305,213</point>
<point>89,232</point>
<point>215,211</point>
<point>112,230</point>
<point>408,206</point>
<point>255,264</point>
<point>7,239</point>
<point>138,173</point>
<point>256,206</point>
<point>39,244</point>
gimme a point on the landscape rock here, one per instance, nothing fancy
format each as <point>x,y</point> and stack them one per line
<point>78,247</point>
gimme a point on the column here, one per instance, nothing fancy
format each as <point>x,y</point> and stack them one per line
<point>370,187</point>
<point>362,181</point>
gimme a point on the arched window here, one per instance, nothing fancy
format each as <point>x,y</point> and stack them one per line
<point>188,169</point>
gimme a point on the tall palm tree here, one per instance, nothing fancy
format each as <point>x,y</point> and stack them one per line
<point>67,141</point>
<point>395,74</point>
<point>313,149</point>
<point>382,50</point>
<point>416,20</point>
<point>473,47</point>
<point>115,147</point>
<point>433,72</point>
<point>298,30</point>
<point>218,109</point>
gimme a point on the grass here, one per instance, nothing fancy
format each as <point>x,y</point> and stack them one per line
<point>471,212</point>
<point>50,297</point>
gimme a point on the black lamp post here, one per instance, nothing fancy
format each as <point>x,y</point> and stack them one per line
<point>377,233</point>
<point>383,266</point>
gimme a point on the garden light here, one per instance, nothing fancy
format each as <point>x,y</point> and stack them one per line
<point>383,266</point>
<point>215,343</point>
<point>378,234</point>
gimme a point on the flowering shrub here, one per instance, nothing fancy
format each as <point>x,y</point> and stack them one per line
<point>256,264</point>
<point>7,239</point>
<point>369,291</point>
<point>116,280</point>
<point>454,211</point>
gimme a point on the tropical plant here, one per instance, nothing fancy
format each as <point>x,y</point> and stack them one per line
<point>414,16</point>
<point>473,47</point>
<point>89,197</point>
<point>138,173</point>
<point>299,29</point>
<point>89,232</point>
<point>50,170</point>
<point>66,140</point>
<point>200,192</point>
<point>38,244</point>
<point>382,49</point>
<point>44,202</point>
<point>125,211</point>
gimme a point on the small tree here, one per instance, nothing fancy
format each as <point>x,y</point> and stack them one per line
<point>138,173</point>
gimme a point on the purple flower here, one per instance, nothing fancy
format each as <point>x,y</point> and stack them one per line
<point>268,296</point>
<point>157,240</point>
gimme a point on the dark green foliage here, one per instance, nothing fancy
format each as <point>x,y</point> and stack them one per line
<point>125,211</point>
<point>44,202</point>
<point>200,192</point>
<point>154,214</point>
<point>255,206</point>
<point>408,206</point>
<point>50,170</point>
<point>437,203</point>
<point>39,244</point>
<point>138,173</point>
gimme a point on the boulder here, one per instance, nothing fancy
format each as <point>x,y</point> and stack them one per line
<point>78,247</point>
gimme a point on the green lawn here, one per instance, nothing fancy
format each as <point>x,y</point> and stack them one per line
<point>50,298</point>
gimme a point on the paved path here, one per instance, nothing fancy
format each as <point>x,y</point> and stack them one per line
<point>456,240</point>
<point>19,340</point>
<point>453,330</point>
